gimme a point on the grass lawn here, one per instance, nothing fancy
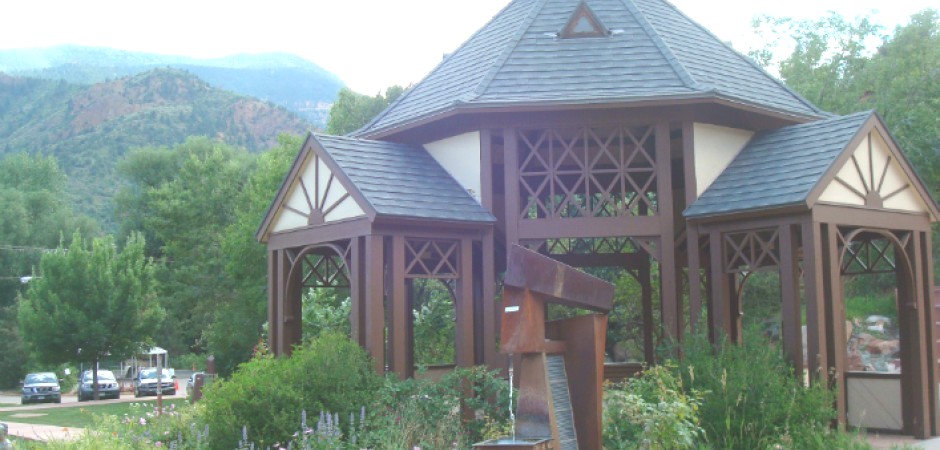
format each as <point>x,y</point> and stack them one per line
<point>80,416</point>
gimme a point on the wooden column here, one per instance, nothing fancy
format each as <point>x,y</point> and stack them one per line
<point>511,179</point>
<point>398,302</point>
<point>919,386</point>
<point>274,299</point>
<point>490,356</point>
<point>646,289</point>
<point>931,298</point>
<point>357,288</point>
<point>488,254</point>
<point>835,312</point>
<point>817,356</point>
<point>464,306</point>
<point>374,300</point>
<point>669,285</point>
<point>791,317</point>
<point>695,277</point>
<point>720,310</point>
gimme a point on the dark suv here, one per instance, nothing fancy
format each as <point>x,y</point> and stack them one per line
<point>108,386</point>
<point>41,387</point>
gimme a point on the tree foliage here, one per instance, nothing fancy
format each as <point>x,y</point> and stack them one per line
<point>91,302</point>
<point>831,65</point>
<point>352,111</point>
<point>182,199</point>
<point>35,213</point>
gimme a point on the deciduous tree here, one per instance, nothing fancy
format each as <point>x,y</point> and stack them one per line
<point>89,302</point>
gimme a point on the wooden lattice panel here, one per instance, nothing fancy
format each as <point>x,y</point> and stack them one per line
<point>587,172</point>
<point>867,253</point>
<point>751,250</point>
<point>432,258</point>
<point>326,268</point>
<point>582,246</point>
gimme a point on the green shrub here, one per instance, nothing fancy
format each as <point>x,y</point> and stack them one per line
<point>267,396</point>
<point>652,412</point>
<point>753,399</point>
<point>428,414</point>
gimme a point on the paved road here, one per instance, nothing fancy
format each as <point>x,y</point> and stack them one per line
<point>72,400</point>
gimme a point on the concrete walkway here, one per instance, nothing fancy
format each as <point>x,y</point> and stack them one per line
<point>43,432</point>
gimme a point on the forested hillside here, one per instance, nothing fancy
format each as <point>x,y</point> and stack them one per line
<point>283,79</point>
<point>88,128</point>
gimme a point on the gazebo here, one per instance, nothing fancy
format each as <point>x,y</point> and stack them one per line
<point>613,134</point>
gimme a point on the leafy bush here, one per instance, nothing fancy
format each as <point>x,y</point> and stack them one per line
<point>428,414</point>
<point>267,396</point>
<point>753,399</point>
<point>652,412</point>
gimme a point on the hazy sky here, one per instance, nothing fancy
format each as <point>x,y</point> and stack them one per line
<point>370,44</point>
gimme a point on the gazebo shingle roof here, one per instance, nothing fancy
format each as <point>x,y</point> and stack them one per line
<point>652,52</point>
<point>399,180</point>
<point>778,168</point>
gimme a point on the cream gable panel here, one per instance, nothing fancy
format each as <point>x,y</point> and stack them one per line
<point>715,148</point>
<point>315,197</point>
<point>460,157</point>
<point>873,178</point>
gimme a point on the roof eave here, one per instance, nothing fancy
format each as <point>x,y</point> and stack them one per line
<point>553,104</point>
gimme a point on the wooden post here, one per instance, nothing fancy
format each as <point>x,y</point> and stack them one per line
<point>720,310</point>
<point>464,306</point>
<point>669,284</point>
<point>274,285</point>
<point>835,312</point>
<point>374,300</point>
<point>790,297</point>
<point>400,312</point>
<point>817,356</point>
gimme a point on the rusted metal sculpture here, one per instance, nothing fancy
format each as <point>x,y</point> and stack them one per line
<point>562,361</point>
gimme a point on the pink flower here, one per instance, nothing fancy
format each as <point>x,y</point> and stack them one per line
<point>143,421</point>
<point>159,444</point>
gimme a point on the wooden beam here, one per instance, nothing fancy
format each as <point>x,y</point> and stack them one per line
<point>857,216</point>
<point>274,284</point>
<point>587,227</point>
<point>320,234</point>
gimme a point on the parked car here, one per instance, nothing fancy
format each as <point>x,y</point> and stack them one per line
<point>145,383</point>
<point>41,387</point>
<point>191,383</point>
<point>108,386</point>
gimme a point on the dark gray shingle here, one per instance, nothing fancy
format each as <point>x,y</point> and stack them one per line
<point>402,180</point>
<point>778,168</point>
<point>654,52</point>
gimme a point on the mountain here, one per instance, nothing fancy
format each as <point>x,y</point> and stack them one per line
<point>90,127</point>
<point>281,78</point>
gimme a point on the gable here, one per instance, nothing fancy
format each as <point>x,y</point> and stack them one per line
<point>872,177</point>
<point>315,196</point>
